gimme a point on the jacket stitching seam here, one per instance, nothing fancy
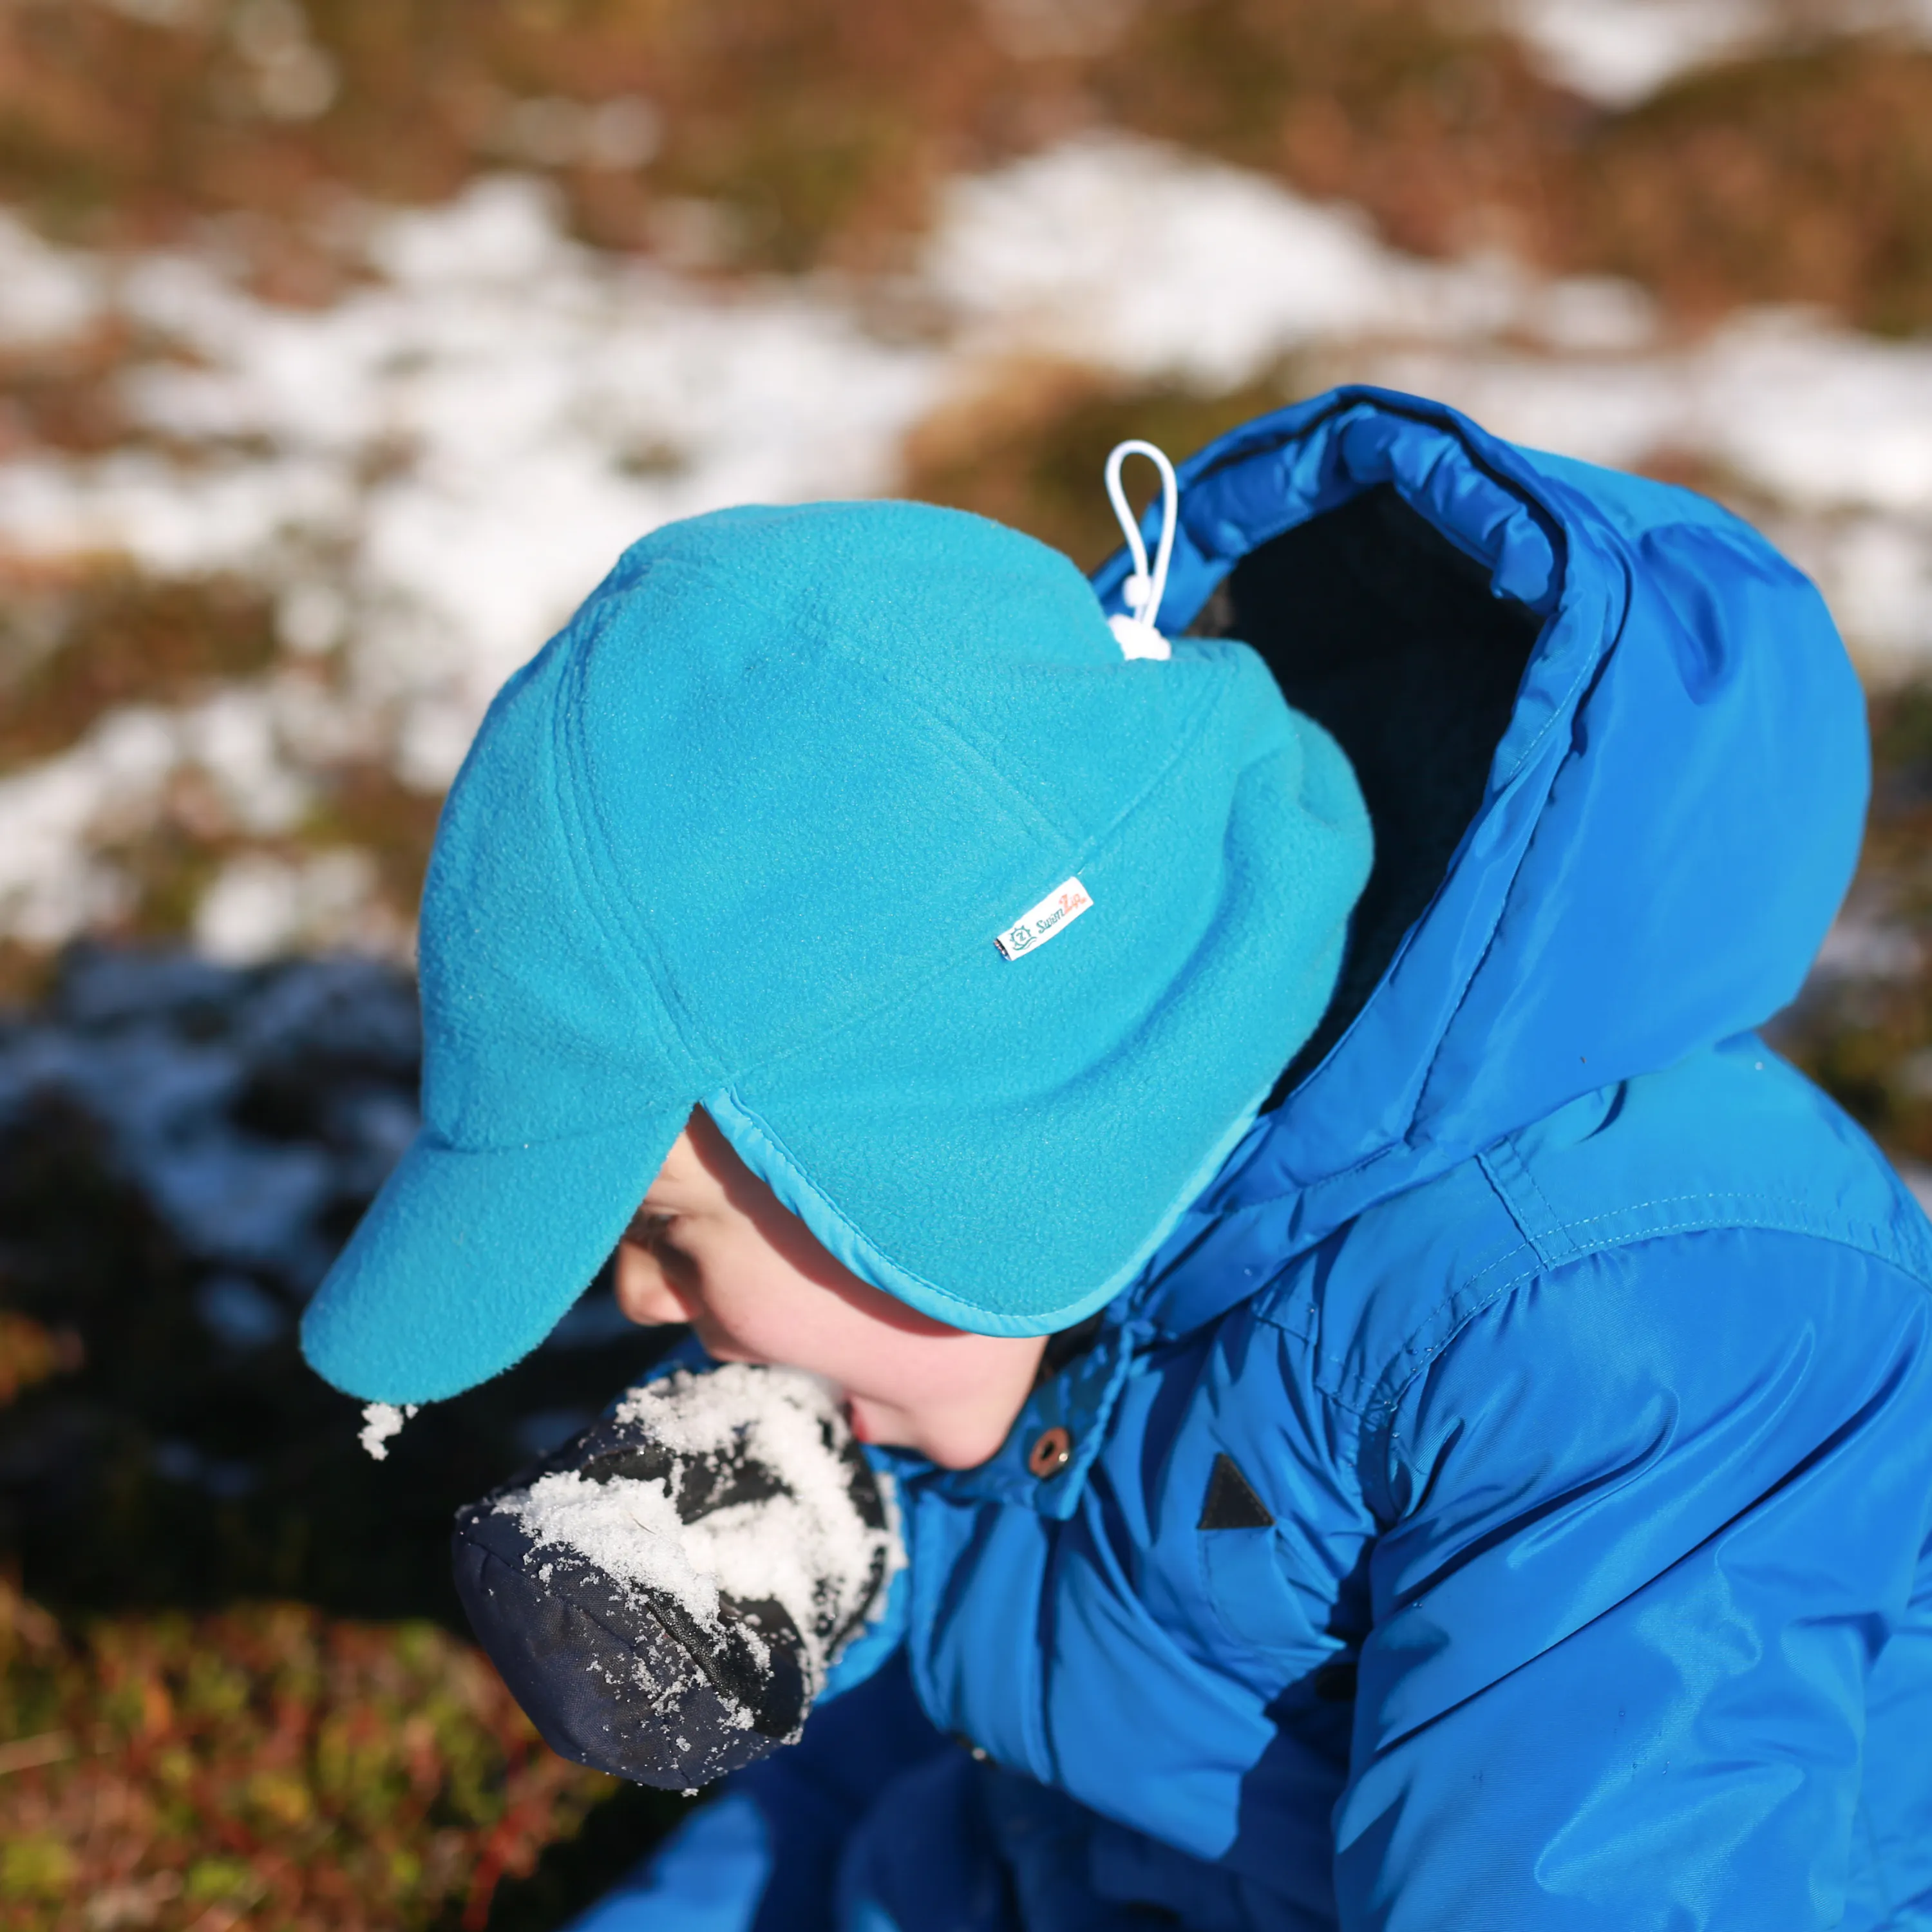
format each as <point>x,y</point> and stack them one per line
<point>1580,1251</point>
<point>1554,1228</point>
<point>1408,1347</point>
<point>1810,1230</point>
<point>1384,1410</point>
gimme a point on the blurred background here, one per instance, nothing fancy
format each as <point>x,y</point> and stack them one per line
<point>342,345</point>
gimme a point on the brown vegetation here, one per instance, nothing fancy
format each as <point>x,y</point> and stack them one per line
<point>789,133</point>
<point>1807,179</point>
<point>1866,1038</point>
<point>76,642</point>
<point>1029,448</point>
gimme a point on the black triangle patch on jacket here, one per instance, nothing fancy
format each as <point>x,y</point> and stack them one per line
<point>1232,1503</point>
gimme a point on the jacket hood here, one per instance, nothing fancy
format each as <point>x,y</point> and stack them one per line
<point>1669,820</point>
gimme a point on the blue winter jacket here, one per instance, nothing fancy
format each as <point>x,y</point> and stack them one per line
<point>1505,1502</point>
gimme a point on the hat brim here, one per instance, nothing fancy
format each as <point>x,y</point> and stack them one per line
<point>467,1259</point>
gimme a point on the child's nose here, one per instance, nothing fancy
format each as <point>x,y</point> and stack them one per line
<point>641,1290</point>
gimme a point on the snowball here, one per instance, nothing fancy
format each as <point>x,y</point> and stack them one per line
<point>807,1548</point>
<point>381,1421</point>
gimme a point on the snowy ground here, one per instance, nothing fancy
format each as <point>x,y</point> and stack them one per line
<point>429,474</point>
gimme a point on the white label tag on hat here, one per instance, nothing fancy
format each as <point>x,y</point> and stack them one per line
<point>1054,914</point>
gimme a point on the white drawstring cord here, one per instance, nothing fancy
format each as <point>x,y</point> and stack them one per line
<point>1137,634</point>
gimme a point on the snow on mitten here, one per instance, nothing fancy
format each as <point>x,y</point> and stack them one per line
<point>664,1595</point>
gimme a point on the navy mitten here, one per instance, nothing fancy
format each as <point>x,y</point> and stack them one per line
<point>664,1595</point>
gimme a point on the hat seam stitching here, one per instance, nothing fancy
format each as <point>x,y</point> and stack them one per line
<point>813,627</point>
<point>631,934</point>
<point>940,968</point>
<point>619,917</point>
<point>946,953</point>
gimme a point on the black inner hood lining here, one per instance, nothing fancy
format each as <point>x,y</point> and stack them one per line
<point>1379,628</point>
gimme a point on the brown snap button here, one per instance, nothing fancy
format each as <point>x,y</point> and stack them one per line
<point>1051,1451</point>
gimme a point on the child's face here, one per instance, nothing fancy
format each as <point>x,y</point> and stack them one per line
<point>712,1246</point>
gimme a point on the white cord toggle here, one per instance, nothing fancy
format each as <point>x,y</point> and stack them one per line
<point>1138,635</point>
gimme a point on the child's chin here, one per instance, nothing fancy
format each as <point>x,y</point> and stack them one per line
<point>882,1429</point>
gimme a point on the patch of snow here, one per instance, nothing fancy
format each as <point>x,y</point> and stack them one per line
<point>1821,419</point>
<point>1591,315</point>
<point>259,906</point>
<point>45,293</point>
<point>1147,259</point>
<point>429,475</point>
<point>1618,53</point>
<point>1876,572</point>
<point>60,819</point>
<point>533,407</point>
<point>1859,947</point>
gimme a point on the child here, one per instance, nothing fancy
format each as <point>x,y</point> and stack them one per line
<point>1480,1473</point>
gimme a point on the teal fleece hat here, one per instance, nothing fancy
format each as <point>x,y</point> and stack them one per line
<point>851,824</point>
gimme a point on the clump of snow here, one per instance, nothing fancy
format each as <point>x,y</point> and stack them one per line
<point>381,1422</point>
<point>806,1547</point>
<point>259,906</point>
